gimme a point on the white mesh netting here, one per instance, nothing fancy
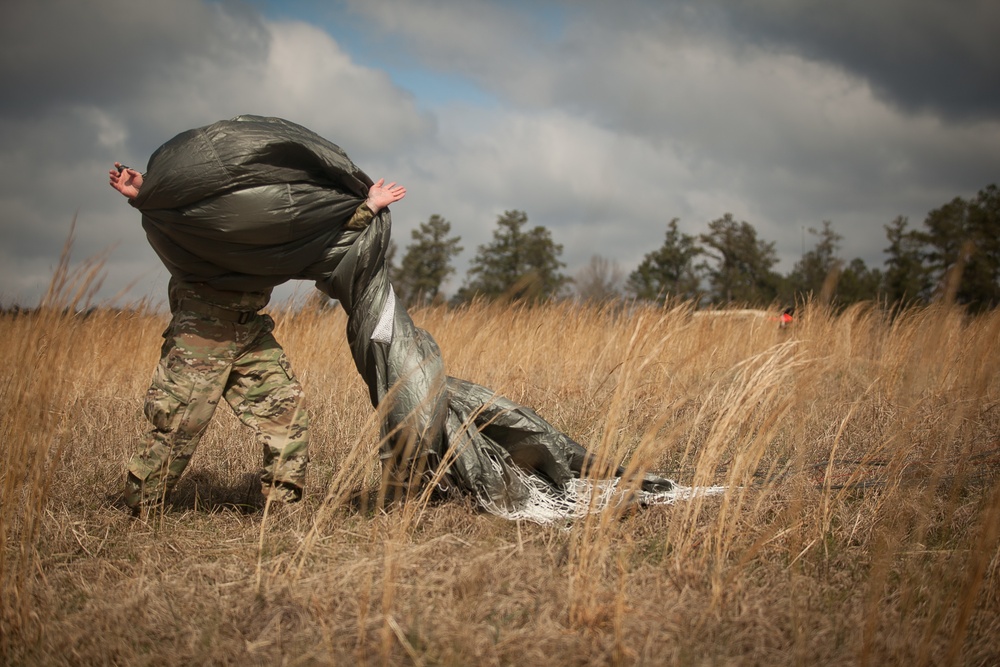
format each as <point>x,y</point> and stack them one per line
<point>583,497</point>
<point>383,328</point>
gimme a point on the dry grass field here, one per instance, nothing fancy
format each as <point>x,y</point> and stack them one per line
<point>861,521</point>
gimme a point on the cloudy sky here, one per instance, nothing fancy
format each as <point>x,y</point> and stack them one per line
<point>601,120</point>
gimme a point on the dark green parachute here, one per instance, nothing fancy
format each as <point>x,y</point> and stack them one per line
<point>249,203</point>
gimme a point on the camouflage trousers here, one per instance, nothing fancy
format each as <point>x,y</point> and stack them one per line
<point>208,355</point>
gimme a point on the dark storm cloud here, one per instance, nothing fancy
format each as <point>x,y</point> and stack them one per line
<point>65,51</point>
<point>922,55</point>
<point>87,83</point>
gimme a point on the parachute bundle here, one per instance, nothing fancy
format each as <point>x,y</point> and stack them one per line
<point>246,204</point>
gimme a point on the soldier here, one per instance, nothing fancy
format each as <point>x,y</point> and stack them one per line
<point>218,344</point>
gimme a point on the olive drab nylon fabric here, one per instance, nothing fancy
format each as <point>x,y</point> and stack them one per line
<point>249,203</point>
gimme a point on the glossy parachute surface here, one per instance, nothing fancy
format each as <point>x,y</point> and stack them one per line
<point>249,203</point>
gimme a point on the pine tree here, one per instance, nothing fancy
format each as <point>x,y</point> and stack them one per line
<point>981,278</point>
<point>427,262</point>
<point>668,271</point>
<point>517,264</point>
<point>858,283</point>
<point>963,249</point>
<point>906,279</point>
<point>817,272</point>
<point>743,271</point>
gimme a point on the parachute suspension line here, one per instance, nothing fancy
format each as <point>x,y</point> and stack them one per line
<point>545,504</point>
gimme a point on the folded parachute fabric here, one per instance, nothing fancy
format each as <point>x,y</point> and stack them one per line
<point>249,203</point>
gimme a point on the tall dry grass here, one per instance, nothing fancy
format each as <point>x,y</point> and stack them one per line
<point>861,520</point>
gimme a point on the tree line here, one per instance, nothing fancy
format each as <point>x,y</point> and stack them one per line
<point>955,255</point>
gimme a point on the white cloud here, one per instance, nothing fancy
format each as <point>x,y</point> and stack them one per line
<point>54,162</point>
<point>604,123</point>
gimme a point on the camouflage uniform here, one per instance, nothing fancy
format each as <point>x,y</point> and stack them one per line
<point>219,346</point>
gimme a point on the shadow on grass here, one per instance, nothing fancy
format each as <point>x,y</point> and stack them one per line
<point>204,491</point>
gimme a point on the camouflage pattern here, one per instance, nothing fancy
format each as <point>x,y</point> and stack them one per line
<point>209,354</point>
<point>361,219</point>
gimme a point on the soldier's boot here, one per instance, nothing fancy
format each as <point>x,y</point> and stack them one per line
<point>282,492</point>
<point>138,496</point>
<point>133,492</point>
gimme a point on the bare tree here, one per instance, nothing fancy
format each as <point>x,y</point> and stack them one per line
<point>600,281</point>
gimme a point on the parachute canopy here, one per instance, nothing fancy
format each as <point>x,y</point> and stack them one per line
<point>249,203</point>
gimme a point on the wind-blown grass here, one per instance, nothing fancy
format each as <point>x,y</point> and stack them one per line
<point>861,520</point>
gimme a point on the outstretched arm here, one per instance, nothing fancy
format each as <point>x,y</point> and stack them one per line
<point>125,180</point>
<point>381,195</point>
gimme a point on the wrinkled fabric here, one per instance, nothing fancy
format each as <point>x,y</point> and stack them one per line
<point>249,203</point>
